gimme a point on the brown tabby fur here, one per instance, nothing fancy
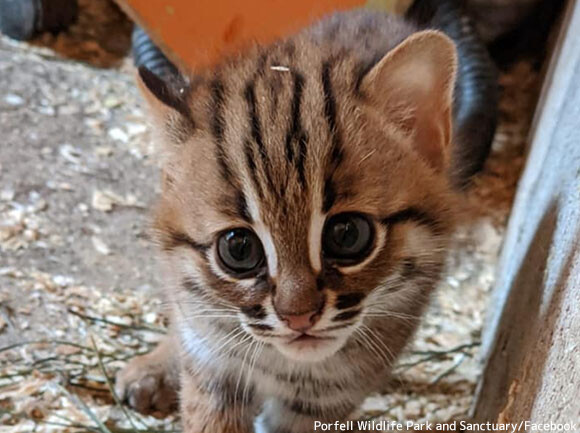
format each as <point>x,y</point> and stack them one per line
<point>351,115</point>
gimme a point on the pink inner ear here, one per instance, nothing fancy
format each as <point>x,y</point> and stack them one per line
<point>429,142</point>
<point>413,86</point>
<point>433,135</point>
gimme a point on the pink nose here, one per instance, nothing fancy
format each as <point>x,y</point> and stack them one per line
<point>300,322</point>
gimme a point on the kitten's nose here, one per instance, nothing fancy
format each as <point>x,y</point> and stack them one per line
<point>300,322</point>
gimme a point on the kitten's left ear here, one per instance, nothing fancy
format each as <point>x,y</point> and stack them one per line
<point>164,95</point>
<point>413,86</point>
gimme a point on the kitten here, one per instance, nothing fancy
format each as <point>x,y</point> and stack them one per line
<point>306,210</point>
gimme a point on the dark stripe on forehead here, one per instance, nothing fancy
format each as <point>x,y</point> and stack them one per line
<point>335,155</point>
<point>256,132</point>
<point>274,83</point>
<point>252,168</point>
<point>333,193</point>
<point>300,167</point>
<point>242,207</point>
<point>255,127</point>
<point>295,127</point>
<point>330,113</point>
<point>217,124</point>
<point>296,133</point>
<point>329,195</point>
<point>217,121</point>
<point>415,215</point>
<point>329,101</point>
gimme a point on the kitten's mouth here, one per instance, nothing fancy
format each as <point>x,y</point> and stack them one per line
<point>309,347</point>
<point>307,338</point>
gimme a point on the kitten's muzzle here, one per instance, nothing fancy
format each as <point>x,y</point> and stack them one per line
<point>300,322</point>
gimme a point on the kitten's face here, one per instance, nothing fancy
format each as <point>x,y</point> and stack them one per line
<point>293,210</point>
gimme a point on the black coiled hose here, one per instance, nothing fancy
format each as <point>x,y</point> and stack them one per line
<point>24,19</point>
<point>476,89</point>
<point>146,53</point>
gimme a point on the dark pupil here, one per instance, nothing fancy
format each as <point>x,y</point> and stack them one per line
<point>347,237</point>
<point>345,234</point>
<point>240,252</point>
<point>240,246</point>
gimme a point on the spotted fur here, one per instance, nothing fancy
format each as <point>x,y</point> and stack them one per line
<point>279,139</point>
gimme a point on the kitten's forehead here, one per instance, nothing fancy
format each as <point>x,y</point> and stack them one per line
<point>284,123</point>
<point>264,133</point>
<point>282,140</point>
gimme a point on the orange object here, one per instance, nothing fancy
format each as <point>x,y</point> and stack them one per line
<point>195,33</point>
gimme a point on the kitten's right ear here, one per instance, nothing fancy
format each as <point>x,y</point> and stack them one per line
<point>164,96</point>
<point>412,86</point>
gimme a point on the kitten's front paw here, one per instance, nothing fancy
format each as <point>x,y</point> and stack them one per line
<point>147,384</point>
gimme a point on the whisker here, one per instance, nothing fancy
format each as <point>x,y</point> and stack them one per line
<point>220,355</point>
<point>384,293</point>
<point>202,300</point>
<point>381,342</point>
<point>248,350</point>
<point>210,316</point>
<point>389,314</point>
<point>368,344</point>
<point>205,310</point>
<point>202,304</point>
<point>337,327</point>
<point>244,340</point>
<point>229,337</point>
<point>271,334</point>
<point>251,368</point>
<point>400,313</point>
<point>215,312</point>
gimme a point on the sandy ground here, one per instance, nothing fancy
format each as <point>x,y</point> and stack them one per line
<point>75,181</point>
<point>77,272</point>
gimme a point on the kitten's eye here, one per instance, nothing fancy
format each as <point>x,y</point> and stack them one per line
<point>240,252</point>
<point>347,237</point>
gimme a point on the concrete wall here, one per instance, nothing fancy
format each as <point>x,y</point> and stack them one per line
<point>532,340</point>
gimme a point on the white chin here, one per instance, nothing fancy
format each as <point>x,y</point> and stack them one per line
<point>310,351</point>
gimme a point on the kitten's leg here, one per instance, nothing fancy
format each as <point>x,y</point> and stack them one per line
<point>211,404</point>
<point>151,382</point>
<point>299,417</point>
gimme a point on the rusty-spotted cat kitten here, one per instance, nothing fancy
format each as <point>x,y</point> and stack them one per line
<point>306,210</point>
